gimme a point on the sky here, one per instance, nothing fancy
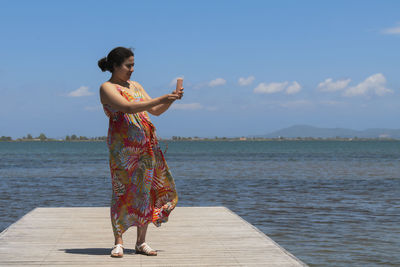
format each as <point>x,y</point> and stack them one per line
<point>249,67</point>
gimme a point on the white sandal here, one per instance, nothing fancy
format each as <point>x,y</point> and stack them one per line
<point>145,249</point>
<point>117,251</point>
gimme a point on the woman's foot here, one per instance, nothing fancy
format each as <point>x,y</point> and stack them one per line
<point>117,251</point>
<point>145,249</point>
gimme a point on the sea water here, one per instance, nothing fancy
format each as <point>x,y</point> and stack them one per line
<point>330,203</point>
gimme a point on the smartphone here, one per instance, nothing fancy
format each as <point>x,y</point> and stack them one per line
<point>179,83</point>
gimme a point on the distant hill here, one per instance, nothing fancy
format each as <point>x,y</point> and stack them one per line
<point>310,131</point>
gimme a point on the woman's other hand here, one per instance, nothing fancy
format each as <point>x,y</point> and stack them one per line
<point>179,93</point>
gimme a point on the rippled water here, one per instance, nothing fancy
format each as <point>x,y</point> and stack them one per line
<point>329,203</point>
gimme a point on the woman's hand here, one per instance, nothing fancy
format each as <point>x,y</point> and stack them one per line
<point>179,93</point>
<point>169,98</point>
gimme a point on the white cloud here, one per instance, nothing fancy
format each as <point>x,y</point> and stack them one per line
<point>213,83</point>
<point>188,106</point>
<point>81,91</point>
<point>271,88</point>
<point>216,82</point>
<point>330,86</point>
<point>173,82</point>
<point>246,81</point>
<point>374,83</point>
<point>392,30</point>
<point>294,88</point>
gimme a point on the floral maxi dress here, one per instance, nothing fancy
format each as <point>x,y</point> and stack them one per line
<point>143,189</point>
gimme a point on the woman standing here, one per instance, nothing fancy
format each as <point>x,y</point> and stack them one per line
<point>143,189</point>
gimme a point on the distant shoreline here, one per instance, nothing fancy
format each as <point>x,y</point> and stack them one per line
<point>293,133</point>
<point>225,139</point>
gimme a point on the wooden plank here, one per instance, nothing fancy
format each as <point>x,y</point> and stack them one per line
<point>194,236</point>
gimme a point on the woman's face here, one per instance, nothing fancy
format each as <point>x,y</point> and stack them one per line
<point>124,71</point>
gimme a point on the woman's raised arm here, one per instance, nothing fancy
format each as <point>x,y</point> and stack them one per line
<point>159,109</point>
<point>109,95</point>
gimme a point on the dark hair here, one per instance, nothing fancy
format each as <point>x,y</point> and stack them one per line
<point>116,57</point>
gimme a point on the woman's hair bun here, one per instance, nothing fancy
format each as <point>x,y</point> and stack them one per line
<point>103,64</point>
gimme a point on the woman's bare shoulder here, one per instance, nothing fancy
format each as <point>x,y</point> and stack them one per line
<point>106,90</point>
<point>107,86</point>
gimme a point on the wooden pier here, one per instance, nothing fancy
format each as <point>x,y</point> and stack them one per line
<point>193,236</point>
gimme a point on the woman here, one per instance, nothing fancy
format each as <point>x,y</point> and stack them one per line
<point>143,189</point>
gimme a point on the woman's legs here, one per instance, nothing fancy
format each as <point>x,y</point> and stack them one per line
<point>118,240</point>
<point>117,251</point>
<point>141,238</point>
<point>141,234</point>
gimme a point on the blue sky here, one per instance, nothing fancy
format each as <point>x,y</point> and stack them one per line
<point>249,67</point>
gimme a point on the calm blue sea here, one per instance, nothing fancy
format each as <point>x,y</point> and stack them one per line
<point>330,203</point>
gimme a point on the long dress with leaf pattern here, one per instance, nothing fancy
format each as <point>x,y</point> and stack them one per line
<point>143,189</point>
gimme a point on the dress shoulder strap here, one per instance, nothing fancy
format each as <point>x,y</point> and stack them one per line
<point>118,88</point>
<point>138,89</point>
